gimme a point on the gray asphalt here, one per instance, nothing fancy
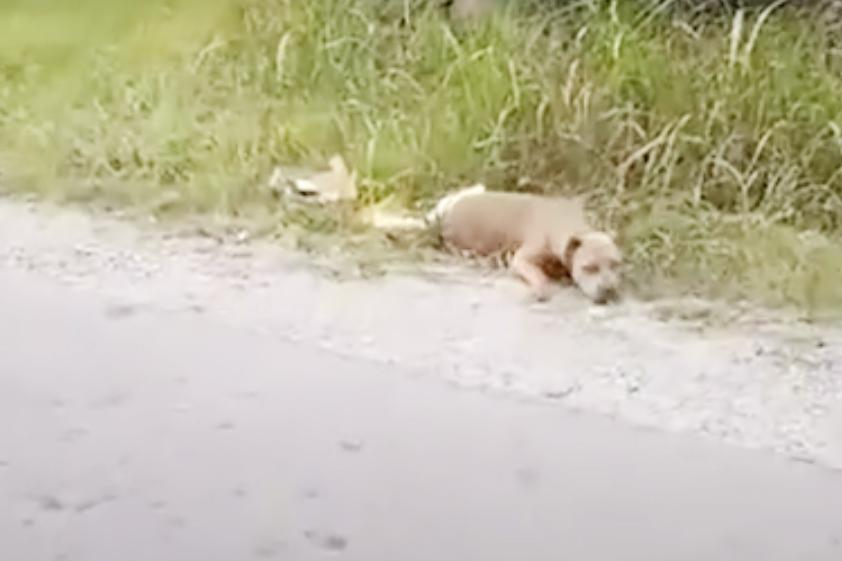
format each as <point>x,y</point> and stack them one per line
<point>130,435</point>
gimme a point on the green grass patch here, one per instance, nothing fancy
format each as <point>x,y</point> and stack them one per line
<point>715,147</point>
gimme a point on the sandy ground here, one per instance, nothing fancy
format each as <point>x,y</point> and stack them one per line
<point>744,377</point>
<point>172,436</point>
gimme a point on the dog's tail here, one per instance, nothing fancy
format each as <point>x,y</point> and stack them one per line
<point>448,201</point>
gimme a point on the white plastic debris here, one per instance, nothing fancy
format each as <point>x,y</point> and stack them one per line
<point>335,184</point>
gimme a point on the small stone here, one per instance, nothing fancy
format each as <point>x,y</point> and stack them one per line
<point>562,393</point>
<point>351,445</point>
<point>120,311</point>
<point>269,550</point>
<point>91,504</point>
<point>335,543</point>
<point>330,542</point>
<point>527,477</point>
<point>50,503</point>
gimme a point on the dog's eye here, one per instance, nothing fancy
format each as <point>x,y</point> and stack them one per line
<point>591,268</point>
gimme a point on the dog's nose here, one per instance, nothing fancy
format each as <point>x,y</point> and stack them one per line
<point>607,295</point>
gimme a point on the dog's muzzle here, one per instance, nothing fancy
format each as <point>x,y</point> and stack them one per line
<point>607,296</point>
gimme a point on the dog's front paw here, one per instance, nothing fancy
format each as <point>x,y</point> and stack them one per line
<point>542,293</point>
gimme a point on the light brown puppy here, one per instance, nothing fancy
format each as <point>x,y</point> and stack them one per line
<point>546,239</point>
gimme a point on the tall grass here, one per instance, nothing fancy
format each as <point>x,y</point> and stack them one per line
<point>714,147</point>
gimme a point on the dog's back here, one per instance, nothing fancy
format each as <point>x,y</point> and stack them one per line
<point>489,222</point>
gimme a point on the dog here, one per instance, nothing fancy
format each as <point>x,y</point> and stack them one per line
<point>541,238</point>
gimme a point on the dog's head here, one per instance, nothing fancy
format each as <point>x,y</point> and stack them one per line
<point>595,264</point>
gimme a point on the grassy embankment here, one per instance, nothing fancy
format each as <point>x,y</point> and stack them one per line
<point>715,148</point>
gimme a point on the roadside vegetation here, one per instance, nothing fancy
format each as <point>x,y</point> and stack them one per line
<point>713,145</point>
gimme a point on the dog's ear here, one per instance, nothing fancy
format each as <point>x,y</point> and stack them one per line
<point>572,245</point>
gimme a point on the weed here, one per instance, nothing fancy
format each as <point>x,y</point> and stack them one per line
<point>715,146</point>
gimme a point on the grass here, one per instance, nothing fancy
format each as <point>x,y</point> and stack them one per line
<point>715,147</point>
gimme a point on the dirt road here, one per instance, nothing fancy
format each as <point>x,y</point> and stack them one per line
<point>730,374</point>
<point>176,437</point>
